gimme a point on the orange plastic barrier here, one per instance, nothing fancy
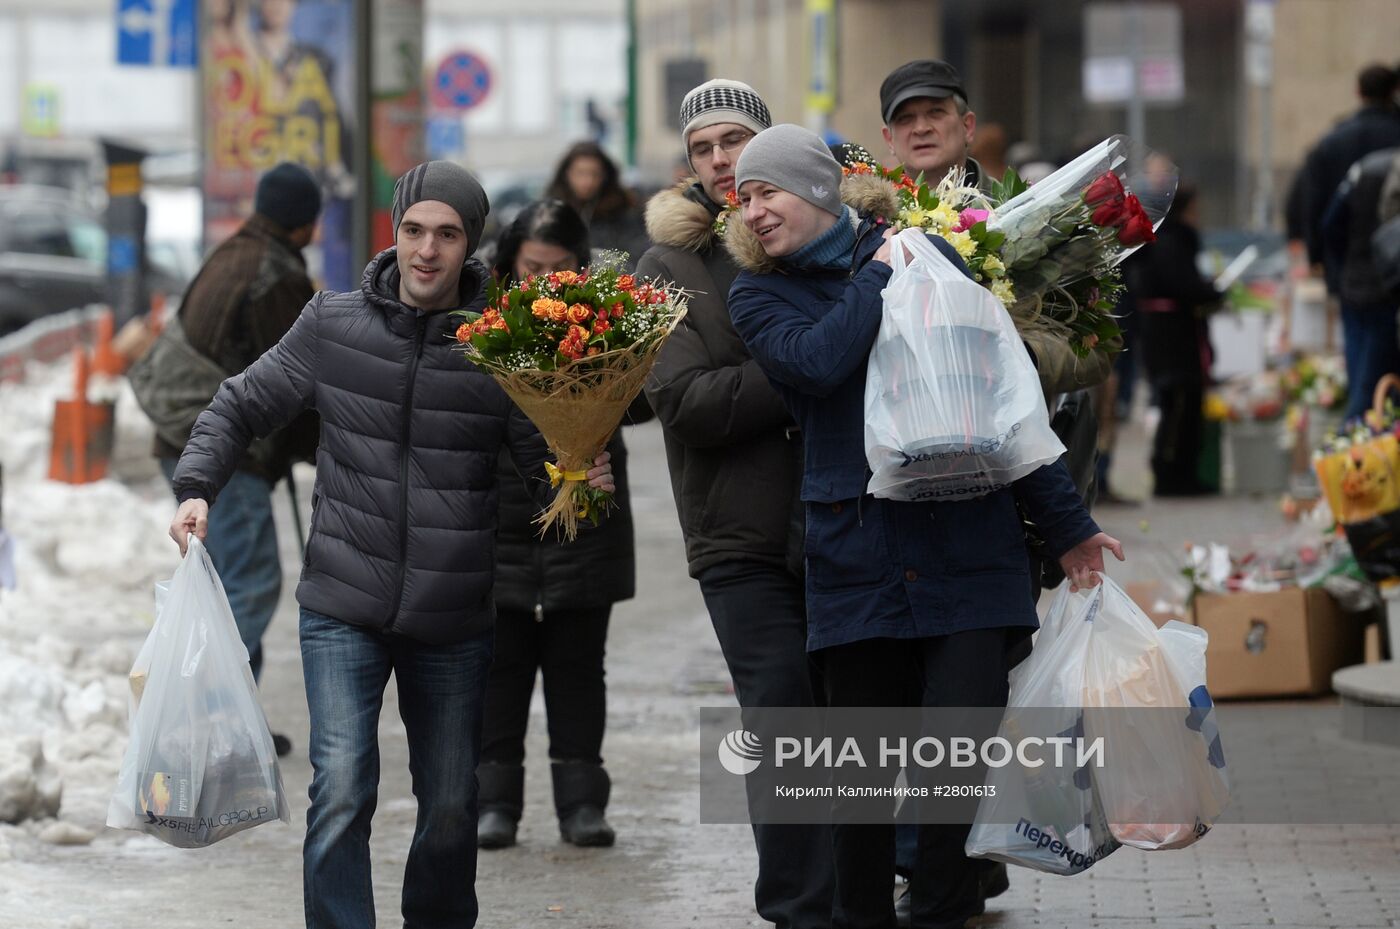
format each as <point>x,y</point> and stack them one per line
<point>82,431</point>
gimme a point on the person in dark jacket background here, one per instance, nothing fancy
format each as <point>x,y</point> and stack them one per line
<point>1173,302</point>
<point>736,464</point>
<point>589,181</point>
<point>246,296</point>
<point>1371,342</point>
<point>553,600</point>
<point>398,571</point>
<point>901,608</point>
<point>1374,126</point>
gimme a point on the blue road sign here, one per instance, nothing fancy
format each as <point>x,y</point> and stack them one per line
<point>446,139</point>
<point>158,32</point>
<point>462,81</point>
<point>135,36</point>
<point>184,34</point>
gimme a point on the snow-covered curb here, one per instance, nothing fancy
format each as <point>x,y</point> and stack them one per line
<point>86,559</point>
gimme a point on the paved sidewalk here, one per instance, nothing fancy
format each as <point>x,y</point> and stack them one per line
<point>667,870</point>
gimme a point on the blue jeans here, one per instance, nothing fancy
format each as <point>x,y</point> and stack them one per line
<point>1370,348</point>
<point>242,543</point>
<point>441,689</point>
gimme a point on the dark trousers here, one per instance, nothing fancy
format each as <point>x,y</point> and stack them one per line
<point>760,617</point>
<point>1176,448</point>
<point>567,647</point>
<point>1371,348</point>
<point>962,669</point>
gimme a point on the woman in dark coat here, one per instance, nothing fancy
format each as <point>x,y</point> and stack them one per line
<point>553,601</point>
<point>589,181</point>
<point>1173,302</point>
<point>908,603</point>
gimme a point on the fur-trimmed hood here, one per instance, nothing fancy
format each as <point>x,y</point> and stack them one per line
<point>868,196</point>
<point>674,219</point>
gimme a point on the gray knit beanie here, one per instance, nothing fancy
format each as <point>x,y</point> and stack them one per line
<point>793,159</point>
<point>449,183</point>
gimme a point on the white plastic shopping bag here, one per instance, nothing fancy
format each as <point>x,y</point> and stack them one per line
<point>200,765</point>
<point>1166,783</point>
<point>1101,669</point>
<point>953,407</point>
<point>1047,818</point>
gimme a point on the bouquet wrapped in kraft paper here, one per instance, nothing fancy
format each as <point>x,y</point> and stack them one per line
<point>572,350</point>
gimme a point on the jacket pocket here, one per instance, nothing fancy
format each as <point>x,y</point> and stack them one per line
<point>846,545</point>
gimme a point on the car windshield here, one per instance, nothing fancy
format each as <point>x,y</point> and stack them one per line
<point>89,240</point>
<point>56,232</point>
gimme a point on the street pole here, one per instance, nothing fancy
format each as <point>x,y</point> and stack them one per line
<point>632,83</point>
<point>1137,108</point>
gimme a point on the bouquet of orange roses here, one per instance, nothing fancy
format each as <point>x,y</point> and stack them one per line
<point>572,349</point>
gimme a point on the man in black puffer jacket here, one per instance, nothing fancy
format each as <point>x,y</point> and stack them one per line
<point>399,564</point>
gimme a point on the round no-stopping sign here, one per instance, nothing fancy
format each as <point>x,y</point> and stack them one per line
<point>462,81</point>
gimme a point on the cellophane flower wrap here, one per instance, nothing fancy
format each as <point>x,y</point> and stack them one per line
<point>1066,236</point>
<point>1048,253</point>
<point>572,350</point>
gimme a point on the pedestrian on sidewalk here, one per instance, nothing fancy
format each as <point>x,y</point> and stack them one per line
<point>904,605</point>
<point>553,601</point>
<point>930,127</point>
<point>399,564</point>
<point>590,182</point>
<point>246,296</point>
<point>1369,308</point>
<point>735,464</point>
<point>1375,125</point>
<point>1175,302</point>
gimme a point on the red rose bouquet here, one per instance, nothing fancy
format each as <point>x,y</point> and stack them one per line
<point>1067,235</point>
<point>572,349</point>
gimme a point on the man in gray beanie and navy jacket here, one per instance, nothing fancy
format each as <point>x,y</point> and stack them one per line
<point>398,570</point>
<point>735,464</point>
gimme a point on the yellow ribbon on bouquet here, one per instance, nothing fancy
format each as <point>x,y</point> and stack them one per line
<point>558,476</point>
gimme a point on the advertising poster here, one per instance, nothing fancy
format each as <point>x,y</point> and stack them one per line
<point>278,86</point>
<point>396,107</point>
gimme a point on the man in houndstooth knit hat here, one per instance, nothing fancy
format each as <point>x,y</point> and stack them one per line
<point>717,120</point>
<point>726,426</point>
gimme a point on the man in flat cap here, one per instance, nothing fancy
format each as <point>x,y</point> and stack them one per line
<point>399,562</point>
<point>928,125</point>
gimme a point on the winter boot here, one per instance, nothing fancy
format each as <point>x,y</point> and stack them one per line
<point>500,801</point>
<point>580,796</point>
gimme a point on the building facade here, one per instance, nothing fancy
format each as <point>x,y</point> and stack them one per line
<point>1242,124</point>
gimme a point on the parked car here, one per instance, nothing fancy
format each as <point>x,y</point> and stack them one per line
<point>53,256</point>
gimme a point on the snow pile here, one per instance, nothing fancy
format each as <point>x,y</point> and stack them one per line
<point>86,560</point>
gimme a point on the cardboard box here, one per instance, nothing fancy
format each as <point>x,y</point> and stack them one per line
<point>1276,644</point>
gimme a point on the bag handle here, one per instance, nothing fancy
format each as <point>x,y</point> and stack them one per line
<point>1384,386</point>
<point>917,243</point>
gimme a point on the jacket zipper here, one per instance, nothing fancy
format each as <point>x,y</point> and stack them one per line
<point>539,579</point>
<point>404,436</point>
